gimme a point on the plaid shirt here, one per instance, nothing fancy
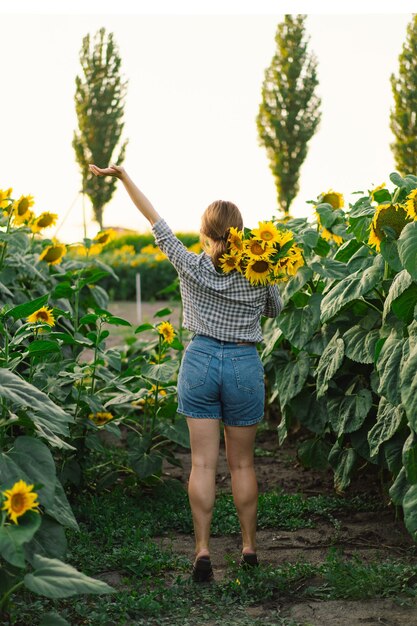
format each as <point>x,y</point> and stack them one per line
<point>223,306</point>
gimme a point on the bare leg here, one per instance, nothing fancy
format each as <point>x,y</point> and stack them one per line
<point>204,440</point>
<point>239,450</point>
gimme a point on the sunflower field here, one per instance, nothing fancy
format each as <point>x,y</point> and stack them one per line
<point>340,362</point>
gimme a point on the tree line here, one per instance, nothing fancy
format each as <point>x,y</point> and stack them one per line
<point>289,111</point>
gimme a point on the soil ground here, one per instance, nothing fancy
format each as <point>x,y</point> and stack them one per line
<point>371,535</point>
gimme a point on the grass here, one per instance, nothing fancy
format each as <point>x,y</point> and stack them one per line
<point>117,543</point>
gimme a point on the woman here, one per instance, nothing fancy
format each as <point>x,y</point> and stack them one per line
<point>221,375</point>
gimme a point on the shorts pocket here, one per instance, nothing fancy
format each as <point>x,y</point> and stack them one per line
<point>249,372</point>
<point>194,368</point>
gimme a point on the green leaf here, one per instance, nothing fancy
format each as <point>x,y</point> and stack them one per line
<point>408,379</point>
<point>163,312</point>
<point>313,453</point>
<point>382,195</point>
<point>299,324</point>
<point>329,363</point>
<point>22,393</point>
<point>353,410</point>
<point>35,459</point>
<point>23,310</point>
<point>410,458</point>
<point>177,432</point>
<point>407,248</point>
<point>399,488</point>
<point>291,377</point>
<point>351,288</point>
<point>410,510</point>
<point>160,372</point>
<point>90,318</point>
<point>13,536</point>
<point>360,343</point>
<point>54,579</point>
<point>397,180</point>
<point>388,367</point>
<point>117,321</point>
<point>143,327</point>
<point>400,283</point>
<point>389,418</point>
<point>48,541</point>
<point>343,461</point>
<point>43,346</point>
<point>61,508</point>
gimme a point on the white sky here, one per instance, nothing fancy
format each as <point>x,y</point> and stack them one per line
<point>193,96</point>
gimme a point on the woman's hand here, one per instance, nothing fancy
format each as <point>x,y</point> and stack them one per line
<point>113,170</point>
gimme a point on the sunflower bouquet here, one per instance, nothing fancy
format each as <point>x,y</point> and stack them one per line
<point>263,255</point>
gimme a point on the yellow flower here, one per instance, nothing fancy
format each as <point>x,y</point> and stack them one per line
<point>235,239</point>
<point>258,271</point>
<point>19,499</point>
<point>20,208</point>
<point>329,236</point>
<point>5,198</point>
<point>411,204</point>
<point>196,248</point>
<point>267,231</point>
<point>44,315</point>
<point>100,418</point>
<point>230,262</point>
<point>53,254</point>
<point>392,215</point>
<point>332,197</point>
<point>44,220</point>
<point>149,249</point>
<point>257,249</point>
<point>167,331</point>
<point>104,236</point>
<point>237,581</point>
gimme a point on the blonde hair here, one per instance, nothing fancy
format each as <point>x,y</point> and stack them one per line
<point>216,221</point>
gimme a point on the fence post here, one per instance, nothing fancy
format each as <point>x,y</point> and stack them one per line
<point>138,299</point>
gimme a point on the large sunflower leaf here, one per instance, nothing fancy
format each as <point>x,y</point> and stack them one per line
<point>407,248</point>
<point>389,418</point>
<point>329,363</point>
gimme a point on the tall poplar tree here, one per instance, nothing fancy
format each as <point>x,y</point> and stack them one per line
<point>403,117</point>
<point>99,102</point>
<point>289,112</point>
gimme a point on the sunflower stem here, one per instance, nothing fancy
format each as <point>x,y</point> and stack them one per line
<point>4,247</point>
<point>386,270</point>
<point>155,404</point>
<point>4,599</point>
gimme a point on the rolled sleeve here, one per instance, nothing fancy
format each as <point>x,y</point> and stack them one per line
<point>169,244</point>
<point>274,303</point>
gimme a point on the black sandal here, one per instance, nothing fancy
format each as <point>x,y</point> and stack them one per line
<point>202,570</point>
<point>249,559</point>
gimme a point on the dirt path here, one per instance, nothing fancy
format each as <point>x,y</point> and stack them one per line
<point>373,536</point>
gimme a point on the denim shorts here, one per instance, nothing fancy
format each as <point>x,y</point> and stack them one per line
<point>221,380</point>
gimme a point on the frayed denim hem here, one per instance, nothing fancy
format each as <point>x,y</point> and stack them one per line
<point>189,414</point>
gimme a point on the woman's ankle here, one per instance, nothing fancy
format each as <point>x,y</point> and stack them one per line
<point>202,552</point>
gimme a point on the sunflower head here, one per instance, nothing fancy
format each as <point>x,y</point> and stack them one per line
<point>411,204</point>
<point>334,198</point>
<point>44,220</point>
<point>5,199</point>
<point>167,331</point>
<point>19,499</point>
<point>235,239</point>
<point>230,262</point>
<point>44,315</point>
<point>256,248</point>
<point>329,236</point>
<point>104,236</point>
<point>21,209</point>
<point>393,216</point>
<point>258,271</point>
<point>267,231</point>
<point>100,417</point>
<point>53,254</point>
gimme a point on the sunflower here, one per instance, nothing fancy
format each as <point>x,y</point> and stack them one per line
<point>167,331</point>
<point>104,236</point>
<point>21,210</point>
<point>44,315</point>
<point>235,239</point>
<point>53,254</point>
<point>100,418</point>
<point>258,271</point>
<point>329,236</point>
<point>230,262</point>
<point>334,198</point>
<point>195,247</point>
<point>392,215</point>
<point>5,198</point>
<point>411,204</point>
<point>267,231</point>
<point>44,220</point>
<point>19,499</point>
<point>257,249</point>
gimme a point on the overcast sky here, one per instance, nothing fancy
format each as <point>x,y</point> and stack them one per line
<point>193,96</point>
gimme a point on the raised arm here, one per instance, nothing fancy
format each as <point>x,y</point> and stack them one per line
<point>139,198</point>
